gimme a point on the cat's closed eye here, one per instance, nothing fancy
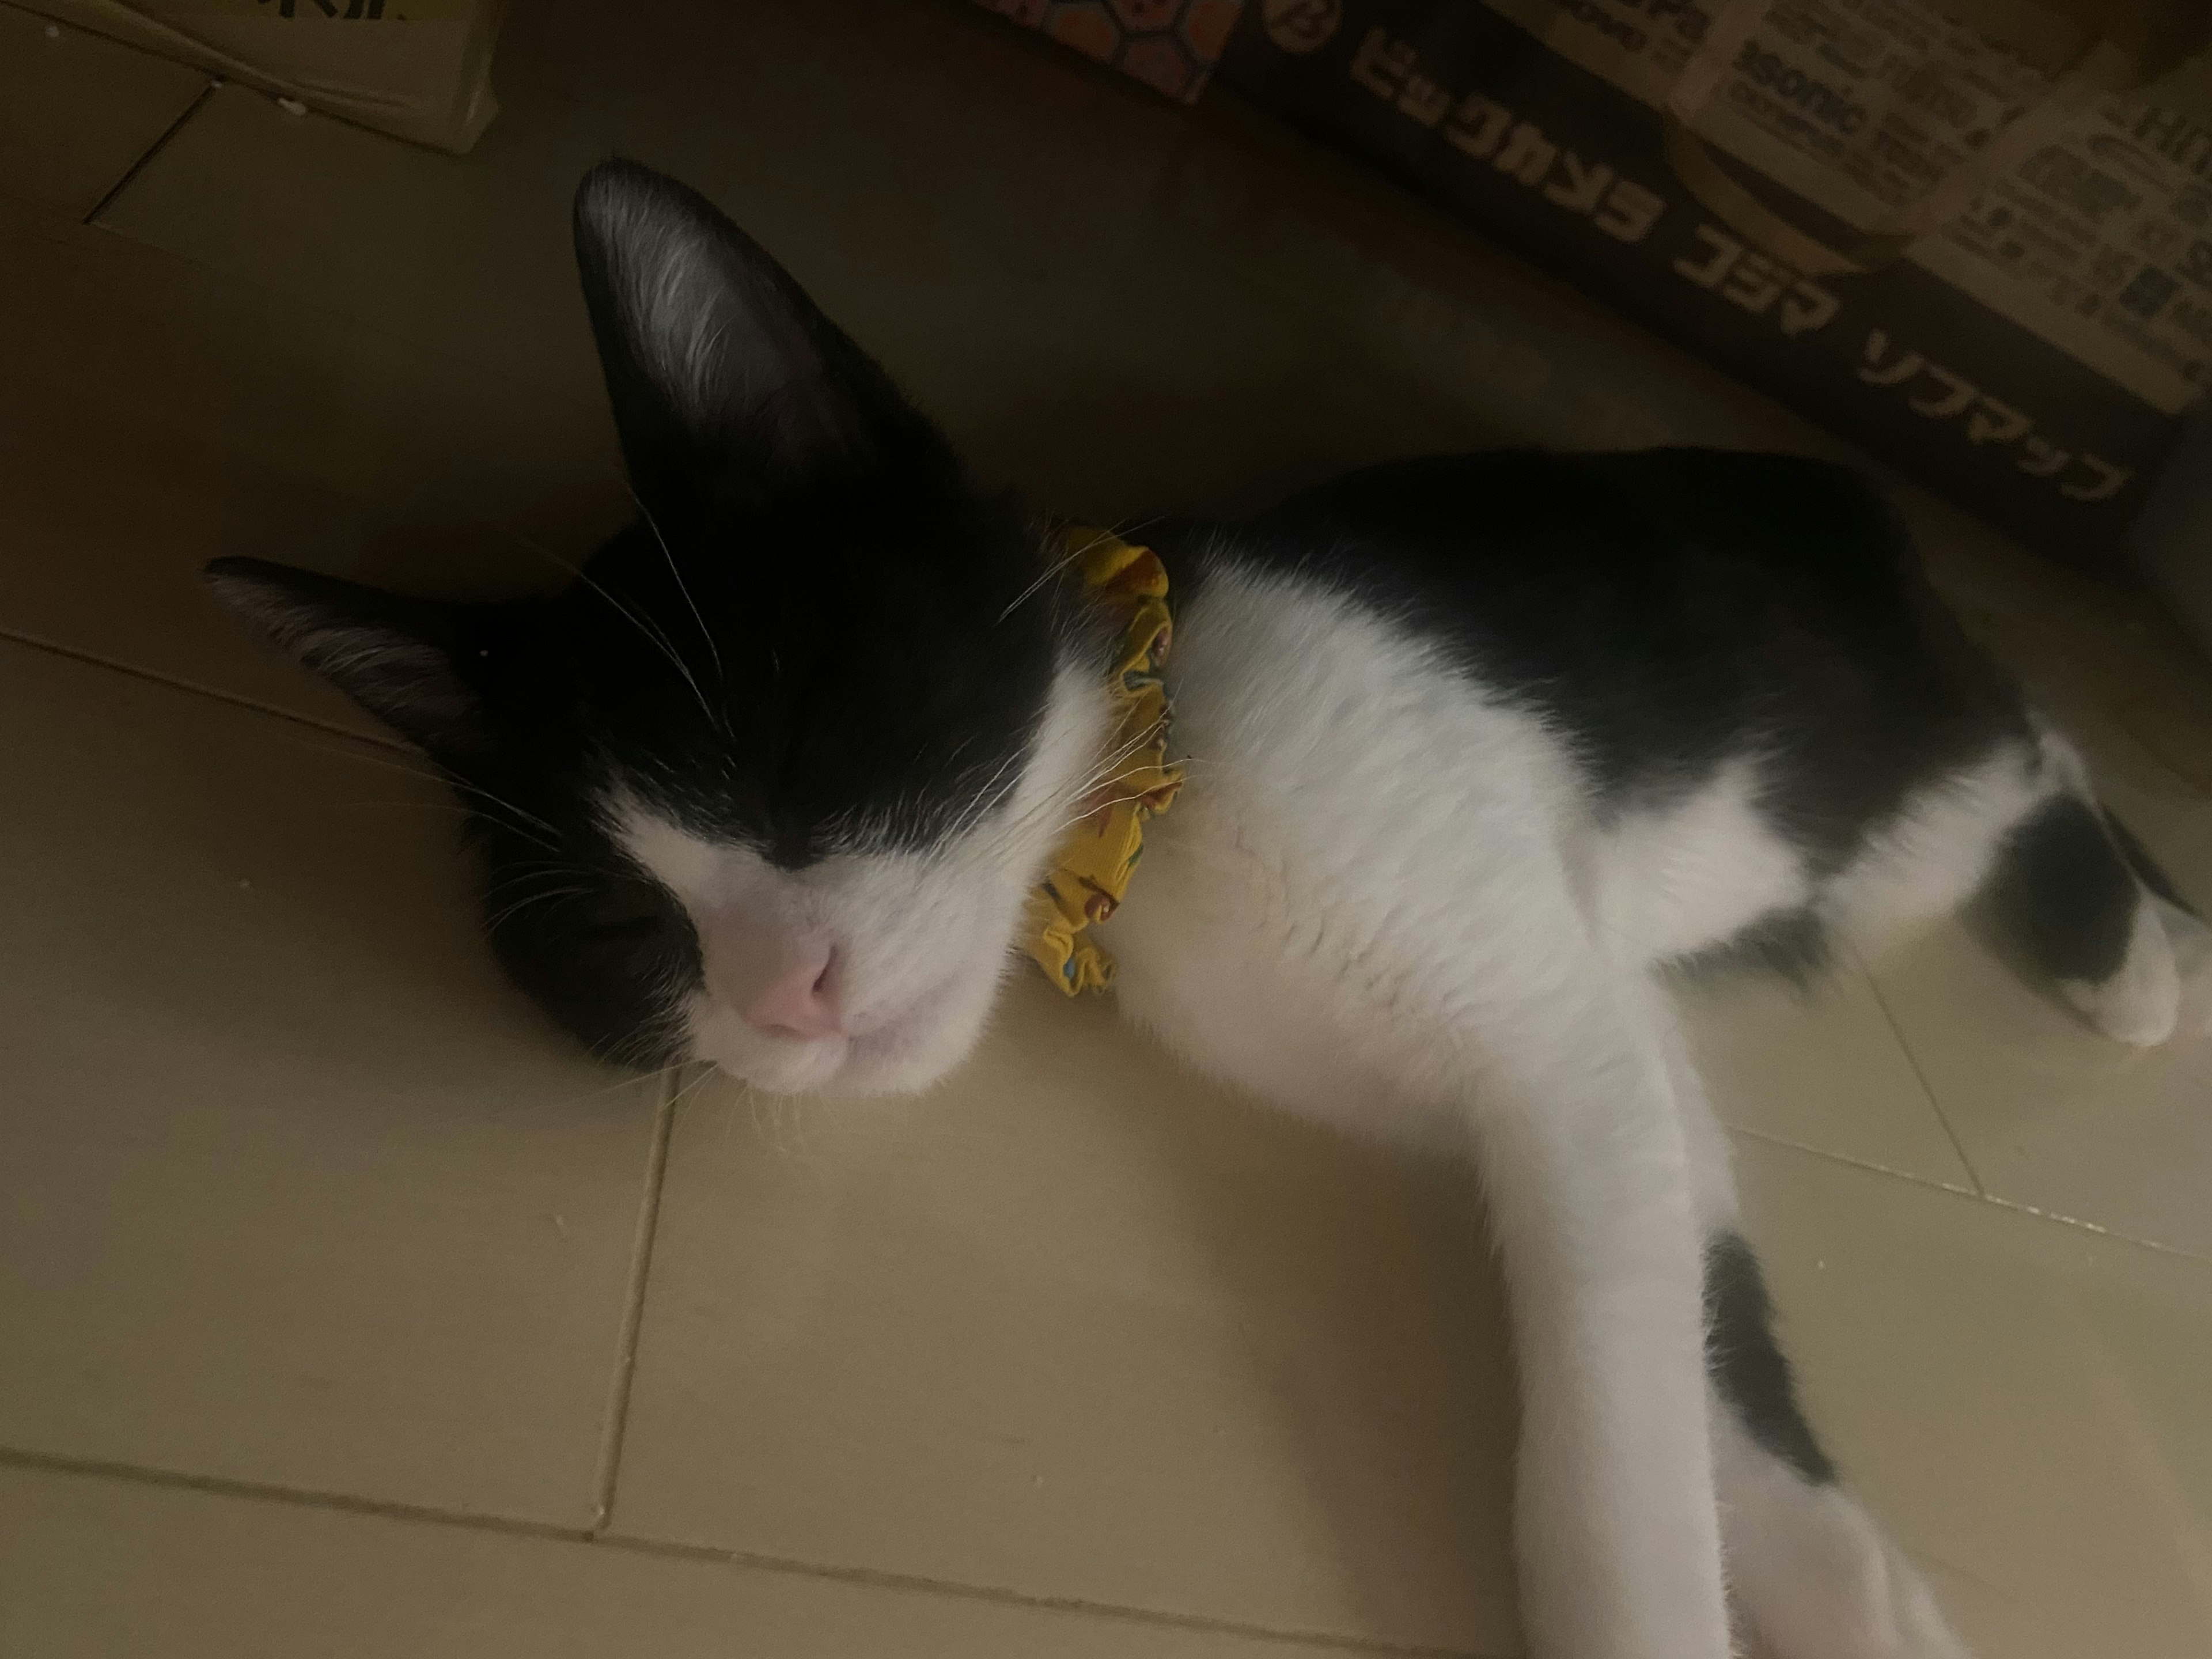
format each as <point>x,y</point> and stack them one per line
<point>631,912</point>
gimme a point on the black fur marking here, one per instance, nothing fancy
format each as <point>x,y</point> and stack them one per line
<point>1668,609</point>
<point>2148,869</point>
<point>819,633</point>
<point>2063,884</point>
<point>1792,944</point>
<point>820,588</point>
<point>1747,1366</point>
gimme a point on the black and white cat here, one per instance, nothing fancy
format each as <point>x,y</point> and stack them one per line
<point>1479,747</point>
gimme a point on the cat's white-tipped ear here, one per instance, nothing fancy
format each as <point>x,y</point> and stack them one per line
<point>394,656</point>
<point>722,374</point>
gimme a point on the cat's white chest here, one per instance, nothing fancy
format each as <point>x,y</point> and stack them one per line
<point>1364,844</point>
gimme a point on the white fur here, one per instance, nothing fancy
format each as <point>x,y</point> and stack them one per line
<point>2140,1003</point>
<point>1673,878</point>
<point>1940,849</point>
<point>1814,1575</point>
<point>1386,901</point>
<point>1930,857</point>
<point>2192,941</point>
<point>1366,908</point>
<point>920,936</point>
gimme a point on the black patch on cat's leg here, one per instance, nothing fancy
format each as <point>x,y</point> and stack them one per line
<point>1793,944</point>
<point>2148,869</point>
<point>1747,1366</point>
<point>2064,885</point>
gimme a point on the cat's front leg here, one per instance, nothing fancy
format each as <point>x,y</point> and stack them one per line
<point>1617,1532</point>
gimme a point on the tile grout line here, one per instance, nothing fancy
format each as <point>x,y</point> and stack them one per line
<point>2095,1229</point>
<point>94,659</point>
<point>2013,1206</point>
<point>215,1486</point>
<point>875,1579</point>
<point>130,173</point>
<point>1919,1076</point>
<point>218,1485</point>
<point>1850,1163</point>
<point>616,1425</point>
<point>618,1404</point>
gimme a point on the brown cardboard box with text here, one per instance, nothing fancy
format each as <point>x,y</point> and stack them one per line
<point>1977,240</point>
<point>419,69</point>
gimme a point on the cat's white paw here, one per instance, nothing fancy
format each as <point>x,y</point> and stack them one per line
<point>2191,940</point>
<point>1829,1586</point>
<point>2140,1004</point>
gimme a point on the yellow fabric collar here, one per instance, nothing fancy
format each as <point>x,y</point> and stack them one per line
<point>1090,876</point>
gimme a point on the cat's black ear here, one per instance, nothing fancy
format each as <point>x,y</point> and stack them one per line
<point>395,656</point>
<point>725,379</point>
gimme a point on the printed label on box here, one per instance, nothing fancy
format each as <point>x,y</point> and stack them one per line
<point>2101,243</point>
<point>1574,170</point>
<point>2097,238</point>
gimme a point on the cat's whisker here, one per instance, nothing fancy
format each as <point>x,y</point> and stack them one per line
<point>726,1115</point>
<point>509,807</point>
<point>776,1114</point>
<point>653,635</point>
<point>493,924</point>
<point>767,1114</point>
<point>548,895</point>
<point>433,775</point>
<point>402,806</point>
<point>1122,532</point>
<point>627,1081</point>
<point>707,1074</point>
<point>801,1146</point>
<point>994,789</point>
<point>1044,580</point>
<point>1111,767</point>
<point>1093,809</point>
<point>430,775</point>
<point>1109,771</point>
<point>534,879</point>
<point>452,808</point>
<point>721,676</point>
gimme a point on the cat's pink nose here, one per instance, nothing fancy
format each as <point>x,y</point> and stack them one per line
<point>802,1002</point>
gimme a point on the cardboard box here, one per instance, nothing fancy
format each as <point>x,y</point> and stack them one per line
<point>419,69</point>
<point>2171,540</point>
<point>1171,45</point>
<point>1991,263</point>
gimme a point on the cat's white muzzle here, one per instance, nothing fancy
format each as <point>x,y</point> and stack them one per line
<point>907,1049</point>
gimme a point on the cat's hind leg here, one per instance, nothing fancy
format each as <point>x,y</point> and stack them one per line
<point>1810,1576</point>
<point>1809,1572</point>
<point>2182,922</point>
<point>1616,1526</point>
<point>2064,887</point>
<point>2072,892</point>
<point>2093,910</point>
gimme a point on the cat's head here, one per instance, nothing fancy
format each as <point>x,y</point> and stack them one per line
<point>769,783</point>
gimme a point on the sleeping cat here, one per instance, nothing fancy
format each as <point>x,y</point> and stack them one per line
<point>1480,748</point>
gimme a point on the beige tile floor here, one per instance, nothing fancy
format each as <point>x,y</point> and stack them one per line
<point>344,1311</point>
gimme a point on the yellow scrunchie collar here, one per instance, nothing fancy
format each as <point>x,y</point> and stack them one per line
<point>1090,876</point>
